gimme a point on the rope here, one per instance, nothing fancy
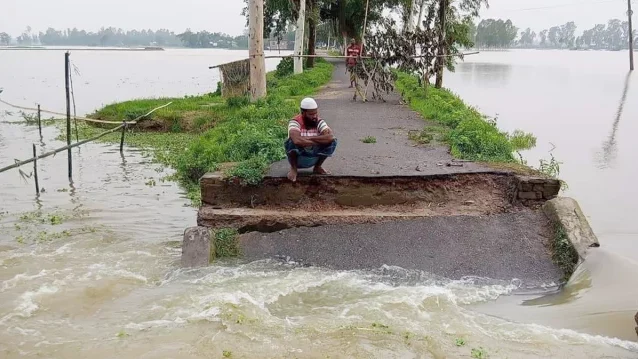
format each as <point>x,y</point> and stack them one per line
<point>79,117</point>
<point>339,57</point>
<point>50,153</point>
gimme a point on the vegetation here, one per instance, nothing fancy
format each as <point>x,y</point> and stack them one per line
<point>498,33</point>
<point>479,353</point>
<point>226,243</point>
<point>492,33</point>
<point>206,131</point>
<point>369,139</point>
<point>460,342</point>
<point>112,36</point>
<point>472,136</point>
<point>563,252</point>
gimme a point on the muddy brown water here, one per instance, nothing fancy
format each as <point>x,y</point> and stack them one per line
<point>105,281</point>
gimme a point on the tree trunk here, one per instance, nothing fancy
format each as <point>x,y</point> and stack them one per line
<point>408,26</point>
<point>345,44</point>
<point>256,49</point>
<point>418,20</point>
<point>299,36</point>
<point>312,37</point>
<point>440,60</point>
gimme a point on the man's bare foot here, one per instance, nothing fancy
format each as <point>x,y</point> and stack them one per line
<point>292,175</point>
<point>320,171</point>
<point>351,86</point>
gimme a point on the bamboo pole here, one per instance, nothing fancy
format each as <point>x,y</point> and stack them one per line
<point>341,57</point>
<point>40,121</point>
<point>51,153</point>
<point>35,170</point>
<point>631,37</point>
<point>68,113</point>
<point>122,138</point>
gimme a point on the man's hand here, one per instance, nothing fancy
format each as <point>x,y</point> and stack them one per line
<point>299,140</point>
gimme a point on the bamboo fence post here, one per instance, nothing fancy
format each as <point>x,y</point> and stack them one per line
<point>35,170</point>
<point>122,138</point>
<point>40,121</point>
<point>68,113</point>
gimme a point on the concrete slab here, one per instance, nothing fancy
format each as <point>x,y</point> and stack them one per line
<point>272,220</point>
<point>567,213</point>
<point>503,246</point>
<point>197,248</point>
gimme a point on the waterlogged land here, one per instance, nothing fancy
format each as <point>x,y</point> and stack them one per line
<point>126,271</point>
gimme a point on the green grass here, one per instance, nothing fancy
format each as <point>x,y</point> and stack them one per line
<point>195,134</point>
<point>479,353</point>
<point>369,139</point>
<point>471,135</point>
<point>563,252</point>
<point>226,245</point>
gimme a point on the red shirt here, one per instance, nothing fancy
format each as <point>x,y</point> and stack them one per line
<point>354,51</point>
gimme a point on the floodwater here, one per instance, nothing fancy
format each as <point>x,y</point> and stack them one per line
<point>90,268</point>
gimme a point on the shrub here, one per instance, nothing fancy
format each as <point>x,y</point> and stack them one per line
<point>285,67</point>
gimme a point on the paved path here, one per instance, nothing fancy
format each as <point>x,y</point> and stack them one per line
<point>393,154</point>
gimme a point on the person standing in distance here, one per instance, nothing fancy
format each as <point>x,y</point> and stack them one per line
<point>310,141</point>
<point>353,52</point>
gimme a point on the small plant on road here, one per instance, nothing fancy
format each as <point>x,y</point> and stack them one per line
<point>460,342</point>
<point>479,353</point>
<point>369,139</point>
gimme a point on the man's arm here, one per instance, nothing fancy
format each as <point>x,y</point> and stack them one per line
<point>298,140</point>
<point>325,138</point>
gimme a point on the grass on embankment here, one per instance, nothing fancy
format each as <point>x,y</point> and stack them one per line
<point>206,131</point>
<point>470,134</point>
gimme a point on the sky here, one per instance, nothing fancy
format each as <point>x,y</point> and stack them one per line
<point>224,15</point>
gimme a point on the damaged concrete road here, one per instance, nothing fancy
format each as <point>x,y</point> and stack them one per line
<point>504,246</point>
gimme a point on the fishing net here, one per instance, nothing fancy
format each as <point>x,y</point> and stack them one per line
<point>235,78</point>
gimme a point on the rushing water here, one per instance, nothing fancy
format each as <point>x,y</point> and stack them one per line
<point>105,282</point>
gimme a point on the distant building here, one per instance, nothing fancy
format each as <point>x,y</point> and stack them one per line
<point>281,45</point>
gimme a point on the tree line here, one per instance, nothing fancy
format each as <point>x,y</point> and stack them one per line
<point>111,36</point>
<point>498,33</point>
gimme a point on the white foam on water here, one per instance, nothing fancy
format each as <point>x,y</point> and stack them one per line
<point>20,278</point>
<point>27,302</point>
<point>527,333</point>
<point>153,324</point>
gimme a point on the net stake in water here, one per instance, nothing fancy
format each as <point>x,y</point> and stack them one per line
<point>40,121</point>
<point>68,111</point>
<point>122,138</point>
<point>35,171</point>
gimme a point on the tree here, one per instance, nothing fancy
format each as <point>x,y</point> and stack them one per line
<point>554,36</point>
<point>492,33</point>
<point>454,15</point>
<point>527,39</point>
<point>543,37</point>
<point>567,32</point>
<point>5,39</point>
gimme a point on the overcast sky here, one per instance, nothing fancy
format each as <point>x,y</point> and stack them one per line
<point>224,15</point>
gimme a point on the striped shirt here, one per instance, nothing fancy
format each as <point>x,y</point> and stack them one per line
<point>298,124</point>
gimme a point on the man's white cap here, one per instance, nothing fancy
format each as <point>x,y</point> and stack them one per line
<point>308,104</point>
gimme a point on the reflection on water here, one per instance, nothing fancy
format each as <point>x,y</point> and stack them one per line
<point>485,74</point>
<point>565,98</point>
<point>609,148</point>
